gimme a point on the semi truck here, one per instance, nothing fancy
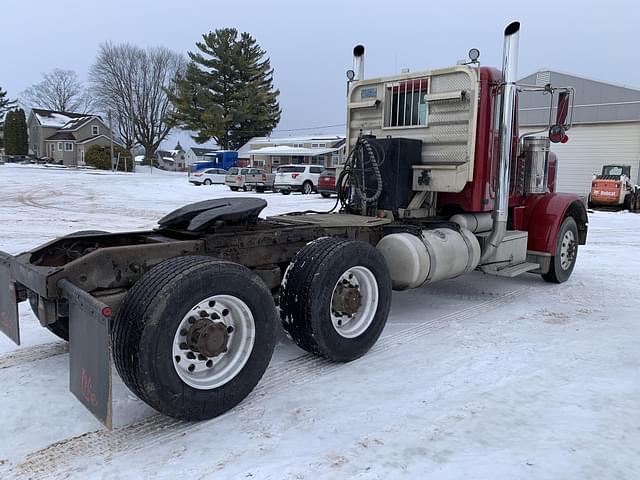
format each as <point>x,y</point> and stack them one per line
<point>437,183</point>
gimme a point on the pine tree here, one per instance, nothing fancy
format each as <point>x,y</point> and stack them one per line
<point>227,91</point>
<point>5,103</point>
<point>15,133</point>
<point>22,137</point>
<point>9,133</point>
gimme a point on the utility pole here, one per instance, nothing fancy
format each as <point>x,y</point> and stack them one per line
<point>111,137</point>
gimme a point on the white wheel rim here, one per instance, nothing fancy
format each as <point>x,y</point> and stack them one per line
<point>206,373</point>
<point>567,250</point>
<point>307,188</point>
<point>354,325</point>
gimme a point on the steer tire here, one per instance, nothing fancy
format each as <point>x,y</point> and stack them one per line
<point>557,273</point>
<point>61,327</point>
<point>306,302</point>
<point>145,329</point>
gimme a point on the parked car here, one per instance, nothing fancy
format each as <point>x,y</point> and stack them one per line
<point>327,182</point>
<point>208,176</point>
<point>18,159</point>
<point>248,178</point>
<point>297,178</point>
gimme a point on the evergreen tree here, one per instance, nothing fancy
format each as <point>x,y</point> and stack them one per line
<point>9,136</point>
<point>15,133</point>
<point>227,91</point>
<point>23,133</point>
<point>5,103</point>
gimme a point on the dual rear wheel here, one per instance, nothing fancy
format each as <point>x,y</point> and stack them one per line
<point>195,334</point>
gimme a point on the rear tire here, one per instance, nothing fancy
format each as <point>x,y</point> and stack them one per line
<point>234,189</point>
<point>163,311</point>
<point>307,188</point>
<point>564,260</point>
<point>285,192</point>
<point>259,189</point>
<point>336,297</point>
<point>325,194</point>
<point>627,202</point>
<point>207,182</point>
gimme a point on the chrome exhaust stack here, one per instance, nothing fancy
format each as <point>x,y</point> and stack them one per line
<point>358,62</point>
<point>507,114</point>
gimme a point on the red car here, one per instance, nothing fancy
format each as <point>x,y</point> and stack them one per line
<point>327,182</point>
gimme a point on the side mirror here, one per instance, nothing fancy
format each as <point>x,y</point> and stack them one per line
<point>563,109</point>
<point>557,132</point>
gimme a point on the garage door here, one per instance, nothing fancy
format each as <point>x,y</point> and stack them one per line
<point>592,146</point>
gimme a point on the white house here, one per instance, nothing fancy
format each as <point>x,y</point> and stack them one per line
<point>196,154</point>
<point>270,152</point>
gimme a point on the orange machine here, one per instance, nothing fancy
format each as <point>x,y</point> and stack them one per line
<point>614,189</point>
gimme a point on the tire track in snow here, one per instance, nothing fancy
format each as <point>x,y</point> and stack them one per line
<point>158,428</point>
<point>32,354</point>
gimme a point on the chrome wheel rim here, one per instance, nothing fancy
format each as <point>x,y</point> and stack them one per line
<point>212,369</point>
<point>307,188</point>
<point>567,250</point>
<point>351,321</point>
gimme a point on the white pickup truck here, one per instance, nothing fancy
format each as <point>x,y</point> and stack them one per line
<point>248,178</point>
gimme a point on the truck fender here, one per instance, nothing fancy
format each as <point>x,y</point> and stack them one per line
<point>545,215</point>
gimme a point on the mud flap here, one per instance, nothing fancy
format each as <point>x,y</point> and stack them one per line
<point>89,351</point>
<point>9,323</point>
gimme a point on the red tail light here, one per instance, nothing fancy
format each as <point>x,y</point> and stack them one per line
<point>198,175</point>
<point>239,178</point>
<point>295,175</point>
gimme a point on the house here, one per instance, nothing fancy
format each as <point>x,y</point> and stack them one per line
<point>196,154</point>
<point>172,160</point>
<point>270,153</point>
<point>606,127</point>
<point>243,152</point>
<point>65,136</point>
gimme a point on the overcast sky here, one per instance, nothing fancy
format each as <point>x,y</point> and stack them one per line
<point>310,43</point>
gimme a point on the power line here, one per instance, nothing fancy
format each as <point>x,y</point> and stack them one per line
<point>309,128</point>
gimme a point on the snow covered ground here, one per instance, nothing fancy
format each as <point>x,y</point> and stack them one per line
<point>477,377</point>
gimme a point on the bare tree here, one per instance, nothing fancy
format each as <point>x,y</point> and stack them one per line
<point>133,83</point>
<point>59,90</point>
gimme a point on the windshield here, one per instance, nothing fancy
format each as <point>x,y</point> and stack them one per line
<point>613,170</point>
<point>291,169</point>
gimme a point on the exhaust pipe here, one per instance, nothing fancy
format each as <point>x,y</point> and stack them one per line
<point>507,113</point>
<point>358,62</point>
